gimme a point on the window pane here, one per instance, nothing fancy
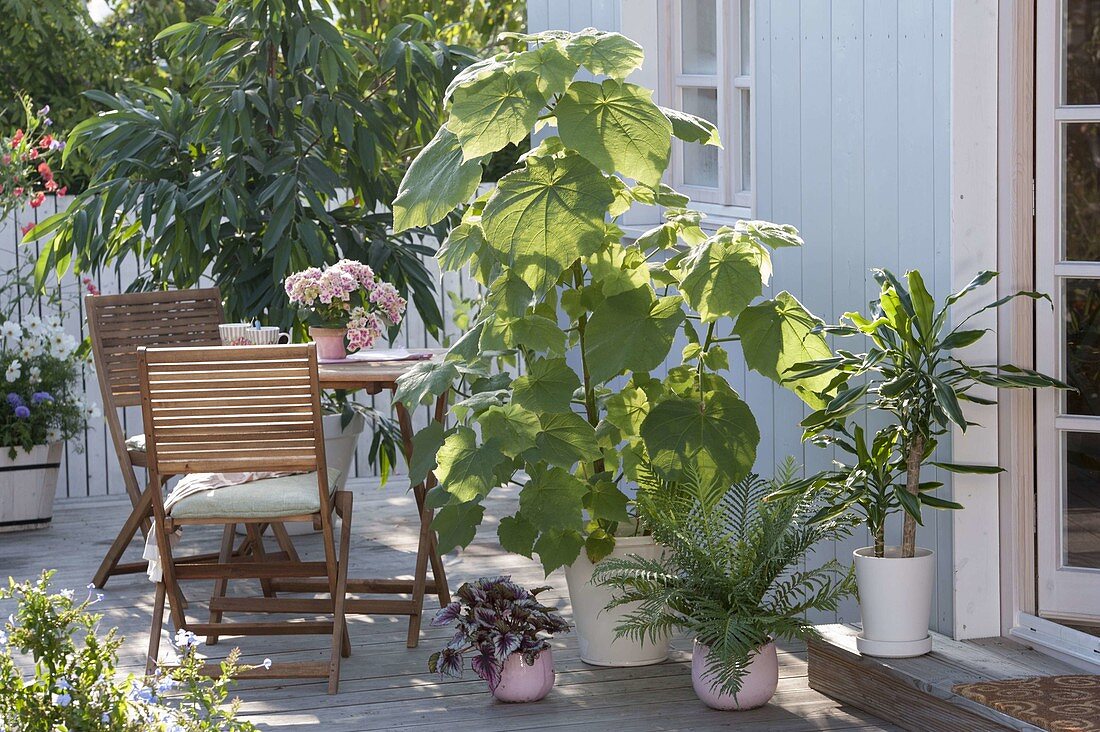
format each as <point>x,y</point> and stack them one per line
<point>699,37</point>
<point>746,38</point>
<point>746,140</point>
<point>1082,501</point>
<point>701,161</point>
<point>1082,39</point>
<point>1082,319</point>
<point>1082,191</point>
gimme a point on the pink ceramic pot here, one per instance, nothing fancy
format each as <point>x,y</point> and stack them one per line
<point>757,686</point>
<point>522,683</point>
<point>330,342</point>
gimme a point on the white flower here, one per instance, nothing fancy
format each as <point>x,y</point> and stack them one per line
<point>34,374</point>
<point>30,347</point>
<point>14,371</point>
<point>61,344</point>
<point>91,411</point>
<point>67,594</point>
<point>186,639</point>
<point>11,330</point>
<point>53,434</point>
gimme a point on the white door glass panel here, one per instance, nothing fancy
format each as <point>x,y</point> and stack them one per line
<point>701,161</point>
<point>746,135</point>
<point>699,37</point>
<point>1067,266</point>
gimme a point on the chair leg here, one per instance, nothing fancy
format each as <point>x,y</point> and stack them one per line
<point>155,630</point>
<point>257,541</point>
<point>138,517</point>
<point>283,538</point>
<point>221,583</point>
<point>423,548</point>
<point>341,644</point>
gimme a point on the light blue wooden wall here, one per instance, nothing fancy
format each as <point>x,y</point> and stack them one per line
<point>852,123</point>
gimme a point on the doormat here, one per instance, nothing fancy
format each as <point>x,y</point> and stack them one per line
<point>1054,703</point>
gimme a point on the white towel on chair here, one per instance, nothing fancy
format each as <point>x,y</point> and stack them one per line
<point>189,485</point>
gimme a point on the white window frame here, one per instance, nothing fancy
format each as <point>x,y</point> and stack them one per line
<point>731,199</point>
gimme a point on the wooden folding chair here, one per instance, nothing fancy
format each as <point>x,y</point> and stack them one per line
<point>234,410</point>
<point>118,325</point>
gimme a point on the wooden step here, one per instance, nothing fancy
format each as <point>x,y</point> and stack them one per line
<point>916,693</point>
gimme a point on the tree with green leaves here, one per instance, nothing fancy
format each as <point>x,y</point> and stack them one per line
<point>283,152</point>
<point>913,373</point>
<point>591,315</point>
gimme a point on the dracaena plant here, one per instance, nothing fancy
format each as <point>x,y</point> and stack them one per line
<point>590,315</point>
<point>493,619</point>
<point>913,372</point>
<point>732,574</point>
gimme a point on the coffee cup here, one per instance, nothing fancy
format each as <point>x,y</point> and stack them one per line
<point>248,334</point>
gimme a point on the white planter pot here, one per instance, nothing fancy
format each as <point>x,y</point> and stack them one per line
<point>340,446</point>
<point>27,486</point>
<point>595,627</point>
<point>895,600</point>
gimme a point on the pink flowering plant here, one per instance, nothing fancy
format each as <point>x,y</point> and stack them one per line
<point>25,173</point>
<point>347,295</point>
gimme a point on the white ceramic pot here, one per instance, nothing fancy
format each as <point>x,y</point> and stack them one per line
<point>340,444</point>
<point>895,600</point>
<point>595,626</point>
<point>28,483</point>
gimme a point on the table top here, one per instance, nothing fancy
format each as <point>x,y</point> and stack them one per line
<point>370,375</point>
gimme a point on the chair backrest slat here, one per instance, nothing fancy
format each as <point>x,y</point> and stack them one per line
<point>120,324</point>
<point>231,409</point>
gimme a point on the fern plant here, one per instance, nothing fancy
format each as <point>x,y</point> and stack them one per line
<point>732,574</point>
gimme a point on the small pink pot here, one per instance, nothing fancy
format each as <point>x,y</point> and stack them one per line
<point>330,342</point>
<point>757,686</point>
<point>522,683</point>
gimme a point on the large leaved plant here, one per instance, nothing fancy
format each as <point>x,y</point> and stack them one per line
<point>591,316</point>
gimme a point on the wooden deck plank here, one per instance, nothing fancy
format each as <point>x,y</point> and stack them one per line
<point>385,686</point>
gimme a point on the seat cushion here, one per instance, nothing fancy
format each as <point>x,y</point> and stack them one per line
<point>136,443</point>
<point>290,495</point>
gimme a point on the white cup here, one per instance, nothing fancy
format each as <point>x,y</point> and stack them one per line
<point>247,334</point>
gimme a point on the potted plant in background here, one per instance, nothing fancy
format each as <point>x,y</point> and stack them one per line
<point>344,301</point>
<point>43,407</point>
<point>507,630</point>
<point>589,315</point>
<point>731,577</point>
<point>913,373</point>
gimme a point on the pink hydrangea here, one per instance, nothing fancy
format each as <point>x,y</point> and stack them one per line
<point>348,294</point>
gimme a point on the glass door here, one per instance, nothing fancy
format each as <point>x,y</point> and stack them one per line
<point>1067,265</point>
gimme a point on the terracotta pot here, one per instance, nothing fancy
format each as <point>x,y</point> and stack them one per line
<point>330,342</point>
<point>895,600</point>
<point>757,685</point>
<point>595,625</point>
<point>520,682</point>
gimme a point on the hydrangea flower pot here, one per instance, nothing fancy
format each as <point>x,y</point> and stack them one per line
<point>330,342</point>
<point>757,685</point>
<point>595,626</point>
<point>27,486</point>
<point>520,682</point>
<point>895,600</point>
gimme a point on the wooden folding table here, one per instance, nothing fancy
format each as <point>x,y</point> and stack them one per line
<point>373,377</point>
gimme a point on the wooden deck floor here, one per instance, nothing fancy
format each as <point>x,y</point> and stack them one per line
<point>385,686</point>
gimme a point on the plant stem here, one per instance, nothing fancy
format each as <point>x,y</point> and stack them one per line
<point>880,541</point>
<point>912,485</point>
<point>586,378</point>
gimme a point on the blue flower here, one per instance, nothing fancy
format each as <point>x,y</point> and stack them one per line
<point>40,396</point>
<point>14,399</point>
<point>63,700</point>
<point>22,412</point>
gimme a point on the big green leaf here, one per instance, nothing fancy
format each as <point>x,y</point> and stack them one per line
<point>632,331</point>
<point>438,180</point>
<point>776,335</point>
<point>517,535</point>
<point>558,548</point>
<point>546,215</point>
<point>463,243</point>
<point>605,54</point>
<point>771,235</point>
<point>690,128</point>
<point>424,381</point>
<point>565,440</point>
<point>605,501</point>
<point>551,67</point>
<point>456,524</point>
<point>721,276</point>
<point>466,468</point>
<point>551,499</point>
<point>547,386</point>
<point>511,427</point>
<point>616,126</point>
<point>627,409</point>
<point>426,443</point>
<point>494,110</point>
<point>716,437</point>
